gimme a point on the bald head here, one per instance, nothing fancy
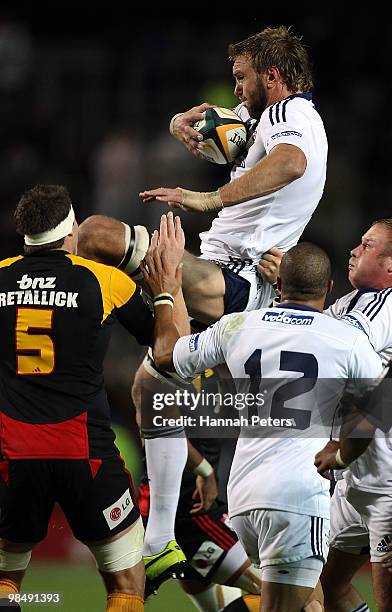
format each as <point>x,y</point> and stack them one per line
<point>102,239</point>
<point>305,273</point>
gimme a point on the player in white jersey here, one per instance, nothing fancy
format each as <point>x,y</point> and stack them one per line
<point>278,503</point>
<point>361,506</point>
<point>276,187</point>
<point>360,512</point>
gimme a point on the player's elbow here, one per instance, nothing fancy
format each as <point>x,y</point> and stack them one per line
<point>296,164</point>
<point>291,159</point>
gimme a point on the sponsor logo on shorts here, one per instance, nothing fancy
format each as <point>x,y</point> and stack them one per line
<point>286,133</point>
<point>115,513</point>
<point>383,545</point>
<point>193,342</point>
<point>205,558</point>
<point>288,318</point>
<point>119,510</point>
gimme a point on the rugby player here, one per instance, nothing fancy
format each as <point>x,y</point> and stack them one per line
<point>275,188</point>
<point>361,521</point>
<point>218,565</point>
<point>56,314</point>
<point>282,521</point>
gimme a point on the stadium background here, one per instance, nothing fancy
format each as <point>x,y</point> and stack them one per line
<point>85,99</point>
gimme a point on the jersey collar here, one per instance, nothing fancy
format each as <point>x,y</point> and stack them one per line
<point>358,294</point>
<point>307,96</point>
<point>47,252</point>
<point>294,306</point>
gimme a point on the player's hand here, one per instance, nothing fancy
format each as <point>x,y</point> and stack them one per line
<point>387,559</point>
<point>325,460</point>
<point>172,197</point>
<point>269,265</point>
<point>162,264</point>
<point>182,128</point>
<point>205,494</point>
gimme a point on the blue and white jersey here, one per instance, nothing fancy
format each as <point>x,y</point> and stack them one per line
<point>370,310</point>
<point>288,343</point>
<point>248,229</point>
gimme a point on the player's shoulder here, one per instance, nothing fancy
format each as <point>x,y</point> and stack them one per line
<point>9,261</point>
<point>89,264</point>
<point>371,303</point>
<point>341,304</point>
<point>103,272</point>
<point>286,109</point>
<point>116,287</point>
<point>375,304</point>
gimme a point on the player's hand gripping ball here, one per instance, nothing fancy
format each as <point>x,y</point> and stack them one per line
<point>224,135</point>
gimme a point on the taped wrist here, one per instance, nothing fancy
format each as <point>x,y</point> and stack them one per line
<point>204,469</point>
<point>201,200</point>
<point>339,460</point>
<point>172,121</point>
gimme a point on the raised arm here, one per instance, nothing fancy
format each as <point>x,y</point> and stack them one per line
<point>162,274</point>
<point>283,165</point>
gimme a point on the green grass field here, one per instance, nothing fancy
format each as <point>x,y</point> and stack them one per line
<point>81,590</point>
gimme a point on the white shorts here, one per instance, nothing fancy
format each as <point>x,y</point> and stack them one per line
<point>275,537</point>
<point>360,519</point>
<point>261,293</point>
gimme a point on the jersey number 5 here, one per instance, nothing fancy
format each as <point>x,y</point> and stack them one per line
<point>34,350</point>
<point>290,361</point>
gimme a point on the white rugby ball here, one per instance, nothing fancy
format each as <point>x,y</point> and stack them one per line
<point>224,135</point>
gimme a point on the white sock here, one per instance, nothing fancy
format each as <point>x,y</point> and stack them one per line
<point>166,459</point>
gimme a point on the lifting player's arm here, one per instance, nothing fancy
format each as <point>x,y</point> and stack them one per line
<point>162,274</point>
<point>283,165</point>
<point>361,407</point>
<point>337,455</point>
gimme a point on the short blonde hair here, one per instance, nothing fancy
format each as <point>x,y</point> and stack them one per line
<point>281,48</point>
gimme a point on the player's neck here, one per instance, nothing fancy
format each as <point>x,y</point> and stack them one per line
<point>317,304</point>
<point>279,93</point>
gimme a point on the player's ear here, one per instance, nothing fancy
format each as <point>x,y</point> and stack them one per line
<point>279,284</point>
<point>273,76</point>
<point>330,286</point>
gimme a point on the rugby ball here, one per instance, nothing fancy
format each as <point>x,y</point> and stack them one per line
<point>224,135</point>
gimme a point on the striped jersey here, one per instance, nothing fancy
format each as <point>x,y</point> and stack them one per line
<point>56,315</point>
<point>299,360</point>
<point>248,229</point>
<point>371,311</point>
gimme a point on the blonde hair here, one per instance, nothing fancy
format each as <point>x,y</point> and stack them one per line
<point>281,48</point>
<point>387,222</point>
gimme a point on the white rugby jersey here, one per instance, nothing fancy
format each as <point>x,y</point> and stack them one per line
<point>247,230</point>
<point>371,311</point>
<point>290,342</point>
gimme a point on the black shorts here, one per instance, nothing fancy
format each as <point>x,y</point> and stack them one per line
<point>96,496</point>
<point>206,539</point>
